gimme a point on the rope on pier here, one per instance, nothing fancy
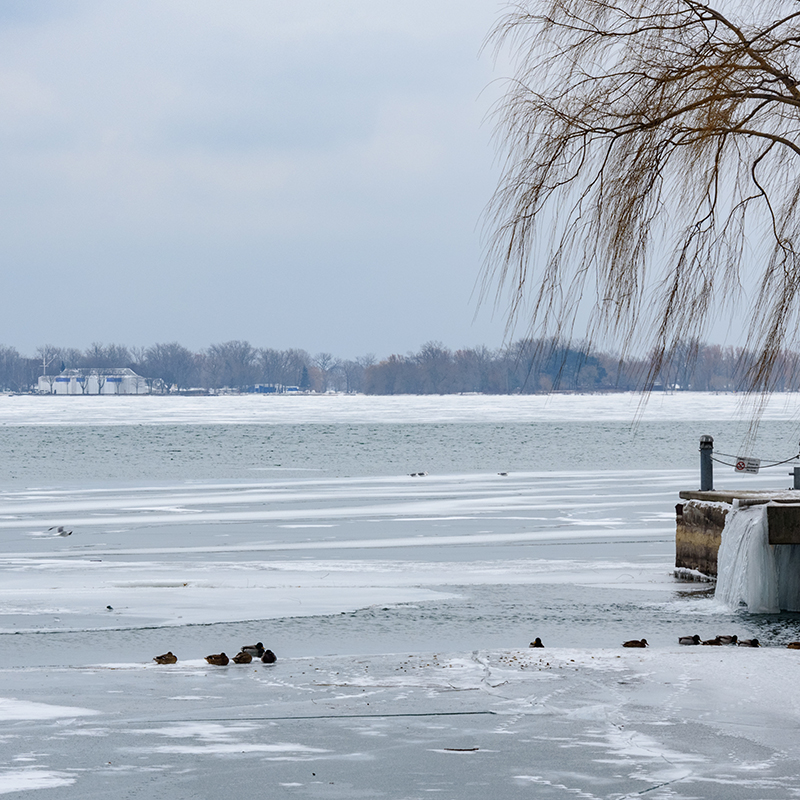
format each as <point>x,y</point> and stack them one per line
<point>762,465</point>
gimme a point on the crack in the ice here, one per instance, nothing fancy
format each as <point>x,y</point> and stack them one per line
<point>657,786</point>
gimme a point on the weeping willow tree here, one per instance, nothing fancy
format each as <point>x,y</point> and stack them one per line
<point>651,173</point>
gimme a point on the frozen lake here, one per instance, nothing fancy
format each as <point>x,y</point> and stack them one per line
<point>400,607</point>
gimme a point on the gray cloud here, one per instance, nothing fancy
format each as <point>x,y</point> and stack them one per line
<point>307,174</point>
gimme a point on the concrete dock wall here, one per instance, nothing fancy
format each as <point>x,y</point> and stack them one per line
<point>698,534</point>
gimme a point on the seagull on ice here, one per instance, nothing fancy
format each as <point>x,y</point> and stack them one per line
<point>60,530</point>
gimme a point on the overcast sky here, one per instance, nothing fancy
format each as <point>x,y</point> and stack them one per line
<point>298,174</point>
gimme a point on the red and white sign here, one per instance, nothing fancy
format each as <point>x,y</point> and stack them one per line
<point>750,465</point>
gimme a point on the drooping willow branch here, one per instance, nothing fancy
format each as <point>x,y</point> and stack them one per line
<point>652,169</point>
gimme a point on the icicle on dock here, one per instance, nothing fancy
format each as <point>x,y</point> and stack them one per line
<point>748,540</point>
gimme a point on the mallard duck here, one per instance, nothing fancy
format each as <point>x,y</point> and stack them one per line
<point>728,639</point>
<point>749,643</point>
<point>793,645</point>
<point>167,658</point>
<point>242,658</point>
<point>269,657</point>
<point>689,639</point>
<point>635,643</point>
<point>715,641</point>
<point>218,659</point>
<point>537,642</point>
<point>255,650</point>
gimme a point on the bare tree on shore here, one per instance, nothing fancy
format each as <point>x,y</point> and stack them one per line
<point>171,362</point>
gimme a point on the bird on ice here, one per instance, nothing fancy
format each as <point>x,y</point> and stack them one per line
<point>635,643</point>
<point>166,658</point>
<point>269,657</point>
<point>242,658</point>
<point>60,530</point>
<point>689,639</point>
<point>256,650</point>
<point>218,659</point>
<point>537,642</point>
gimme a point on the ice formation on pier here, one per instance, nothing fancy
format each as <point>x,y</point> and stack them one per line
<point>750,571</point>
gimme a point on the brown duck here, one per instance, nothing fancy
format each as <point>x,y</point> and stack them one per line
<point>167,658</point>
<point>635,643</point>
<point>269,657</point>
<point>218,659</point>
<point>242,658</point>
<point>537,642</point>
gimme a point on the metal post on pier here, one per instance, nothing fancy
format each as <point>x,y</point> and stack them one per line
<point>706,464</point>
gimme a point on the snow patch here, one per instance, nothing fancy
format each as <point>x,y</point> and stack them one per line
<point>11,709</point>
<point>27,780</point>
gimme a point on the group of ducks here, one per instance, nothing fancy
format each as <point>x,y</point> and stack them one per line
<point>245,656</point>
<point>251,651</point>
<point>720,640</point>
<point>690,640</point>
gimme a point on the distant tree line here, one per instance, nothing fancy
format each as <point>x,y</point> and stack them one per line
<point>525,366</point>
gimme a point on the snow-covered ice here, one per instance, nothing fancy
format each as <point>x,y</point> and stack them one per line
<point>560,722</point>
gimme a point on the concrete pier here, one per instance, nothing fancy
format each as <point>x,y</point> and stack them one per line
<point>700,520</point>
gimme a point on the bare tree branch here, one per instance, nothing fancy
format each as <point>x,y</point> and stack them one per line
<point>651,159</point>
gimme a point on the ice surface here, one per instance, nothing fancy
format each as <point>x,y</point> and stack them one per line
<point>385,410</point>
<point>564,722</point>
<point>400,608</point>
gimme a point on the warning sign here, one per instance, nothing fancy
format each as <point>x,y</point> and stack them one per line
<point>750,465</point>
